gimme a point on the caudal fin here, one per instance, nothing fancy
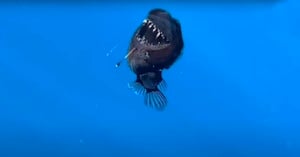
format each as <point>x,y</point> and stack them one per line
<point>152,97</point>
<point>155,98</point>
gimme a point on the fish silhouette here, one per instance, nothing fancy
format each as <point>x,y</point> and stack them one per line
<point>156,44</point>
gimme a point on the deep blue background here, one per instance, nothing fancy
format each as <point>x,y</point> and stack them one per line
<point>235,91</point>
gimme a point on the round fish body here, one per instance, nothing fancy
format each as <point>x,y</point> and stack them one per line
<point>156,45</point>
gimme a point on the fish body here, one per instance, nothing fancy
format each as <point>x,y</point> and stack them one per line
<point>156,45</point>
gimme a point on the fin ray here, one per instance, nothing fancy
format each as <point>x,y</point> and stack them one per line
<point>137,88</point>
<point>155,99</point>
<point>162,85</point>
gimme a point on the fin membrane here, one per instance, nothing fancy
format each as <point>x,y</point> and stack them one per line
<point>137,88</point>
<point>155,99</point>
<point>162,85</point>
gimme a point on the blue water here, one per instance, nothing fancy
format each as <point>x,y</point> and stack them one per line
<point>234,92</point>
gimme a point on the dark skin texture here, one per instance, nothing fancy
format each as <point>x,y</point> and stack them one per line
<point>146,58</point>
<point>155,46</point>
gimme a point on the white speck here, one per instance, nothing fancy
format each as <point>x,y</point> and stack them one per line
<point>111,50</point>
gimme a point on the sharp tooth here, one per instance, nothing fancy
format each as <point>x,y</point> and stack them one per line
<point>147,54</point>
<point>158,34</point>
<point>150,25</point>
<point>154,29</point>
<point>145,21</point>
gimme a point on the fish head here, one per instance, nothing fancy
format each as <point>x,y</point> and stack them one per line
<point>155,32</point>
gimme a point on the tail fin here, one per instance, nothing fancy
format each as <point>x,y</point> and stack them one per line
<point>152,97</point>
<point>155,98</point>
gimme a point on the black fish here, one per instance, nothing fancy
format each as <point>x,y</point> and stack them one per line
<point>156,45</point>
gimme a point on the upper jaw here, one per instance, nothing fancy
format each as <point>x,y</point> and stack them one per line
<point>154,28</point>
<point>151,35</point>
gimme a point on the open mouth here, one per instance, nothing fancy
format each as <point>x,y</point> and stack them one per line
<point>150,34</point>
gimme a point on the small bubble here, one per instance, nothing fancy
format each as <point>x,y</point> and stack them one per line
<point>107,54</point>
<point>117,65</point>
<point>113,48</point>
